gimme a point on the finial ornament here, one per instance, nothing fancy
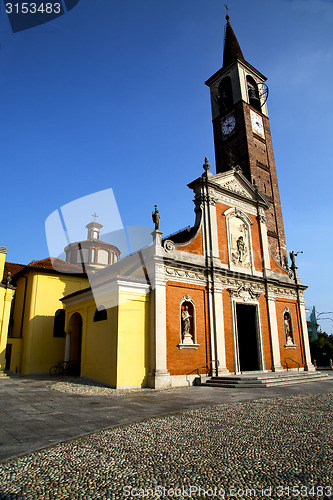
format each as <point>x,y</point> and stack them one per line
<point>94,215</point>
<point>226,11</point>
<point>206,165</point>
<point>156,218</point>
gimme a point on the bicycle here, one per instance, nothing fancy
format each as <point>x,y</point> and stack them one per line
<point>64,368</point>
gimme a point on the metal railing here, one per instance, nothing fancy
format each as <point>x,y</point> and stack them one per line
<point>285,360</point>
<point>203,366</point>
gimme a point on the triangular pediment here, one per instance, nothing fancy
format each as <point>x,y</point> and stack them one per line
<point>234,185</point>
<point>235,182</point>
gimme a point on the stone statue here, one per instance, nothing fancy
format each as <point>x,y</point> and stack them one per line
<point>241,248</point>
<point>156,218</point>
<point>9,278</point>
<point>287,330</point>
<point>186,320</point>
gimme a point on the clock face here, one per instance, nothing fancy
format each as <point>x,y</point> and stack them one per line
<point>228,125</point>
<point>257,124</point>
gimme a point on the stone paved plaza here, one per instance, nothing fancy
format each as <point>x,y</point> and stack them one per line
<point>270,447</point>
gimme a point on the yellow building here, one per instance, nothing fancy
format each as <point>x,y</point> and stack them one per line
<point>36,337</point>
<point>6,296</point>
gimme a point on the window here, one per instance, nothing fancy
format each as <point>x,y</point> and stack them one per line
<point>103,257</point>
<point>59,323</point>
<point>100,314</point>
<point>253,93</point>
<point>225,95</point>
<point>83,255</point>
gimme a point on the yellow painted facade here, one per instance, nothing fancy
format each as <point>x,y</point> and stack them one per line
<point>34,348</point>
<point>6,297</point>
<point>114,351</point>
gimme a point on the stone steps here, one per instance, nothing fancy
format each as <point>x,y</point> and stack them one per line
<point>265,379</point>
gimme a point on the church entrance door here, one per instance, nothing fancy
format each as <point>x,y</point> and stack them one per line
<point>247,337</point>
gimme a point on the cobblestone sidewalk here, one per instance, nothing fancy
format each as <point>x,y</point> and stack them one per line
<point>279,447</point>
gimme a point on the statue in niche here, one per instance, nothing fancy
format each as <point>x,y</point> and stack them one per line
<point>186,325</point>
<point>288,329</point>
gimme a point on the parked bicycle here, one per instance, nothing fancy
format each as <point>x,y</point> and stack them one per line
<point>64,368</point>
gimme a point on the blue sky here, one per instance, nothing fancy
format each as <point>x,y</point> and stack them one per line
<point>112,95</point>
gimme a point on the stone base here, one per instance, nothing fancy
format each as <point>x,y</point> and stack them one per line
<point>310,368</point>
<point>3,374</point>
<point>278,368</point>
<point>223,371</point>
<point>159,380</point>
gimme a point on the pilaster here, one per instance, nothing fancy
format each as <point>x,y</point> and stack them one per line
<point>274,333</point>
<point>308,366</point>
<point>158,374</point>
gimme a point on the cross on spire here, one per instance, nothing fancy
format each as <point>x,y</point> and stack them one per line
<point>226,9</point>
<point>94,215</point>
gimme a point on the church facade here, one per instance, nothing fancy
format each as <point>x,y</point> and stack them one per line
<point>218,297</point>
<point>221,295</point>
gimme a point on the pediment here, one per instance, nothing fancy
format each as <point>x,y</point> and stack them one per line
<point>234,186</point>
<point>234,182</point>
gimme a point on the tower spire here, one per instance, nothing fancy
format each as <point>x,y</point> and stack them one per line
<point>232,50</point>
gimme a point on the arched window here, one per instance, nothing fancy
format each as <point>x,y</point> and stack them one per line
<point>59,323</point>
<point>187,322</point>
<point>100,314</point>
<point>83,255</point>
<point>253,93</point>
<point>288,328</point>
<point>225,95</point>
<point>103,257</point>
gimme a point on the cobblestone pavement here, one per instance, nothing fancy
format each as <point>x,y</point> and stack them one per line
<point>276,447</point>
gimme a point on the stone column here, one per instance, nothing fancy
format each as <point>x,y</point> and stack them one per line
<point>274,334</point>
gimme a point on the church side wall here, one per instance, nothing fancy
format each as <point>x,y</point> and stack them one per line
<point>133,340</point>
<point>99,343</point>
<point>183,361</point>
<point>40,349</point>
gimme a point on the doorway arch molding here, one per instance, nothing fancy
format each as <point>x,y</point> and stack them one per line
<point>245,294</point>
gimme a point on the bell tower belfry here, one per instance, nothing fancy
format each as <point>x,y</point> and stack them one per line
<point>242,132</point>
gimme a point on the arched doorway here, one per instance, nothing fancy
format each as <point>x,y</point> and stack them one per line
<point>74,343</point>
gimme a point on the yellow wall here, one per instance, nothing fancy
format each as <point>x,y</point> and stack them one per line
<point>99,342</point>
<point>115,351</point>
<point>6,297</point>
<point>133,340</point>
<point>15,360</point>
<point>40,350</point>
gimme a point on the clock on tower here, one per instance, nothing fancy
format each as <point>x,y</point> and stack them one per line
<point>242,132</point>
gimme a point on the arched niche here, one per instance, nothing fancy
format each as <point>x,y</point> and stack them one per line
<point>187,323</point>
<point>239,238</point>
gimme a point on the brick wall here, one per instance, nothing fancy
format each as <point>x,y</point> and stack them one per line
<point>296,354</point>
<point>183,361</point>
<point>196,246</point>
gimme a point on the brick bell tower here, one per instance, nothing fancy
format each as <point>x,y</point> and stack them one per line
<point>242,133</point>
